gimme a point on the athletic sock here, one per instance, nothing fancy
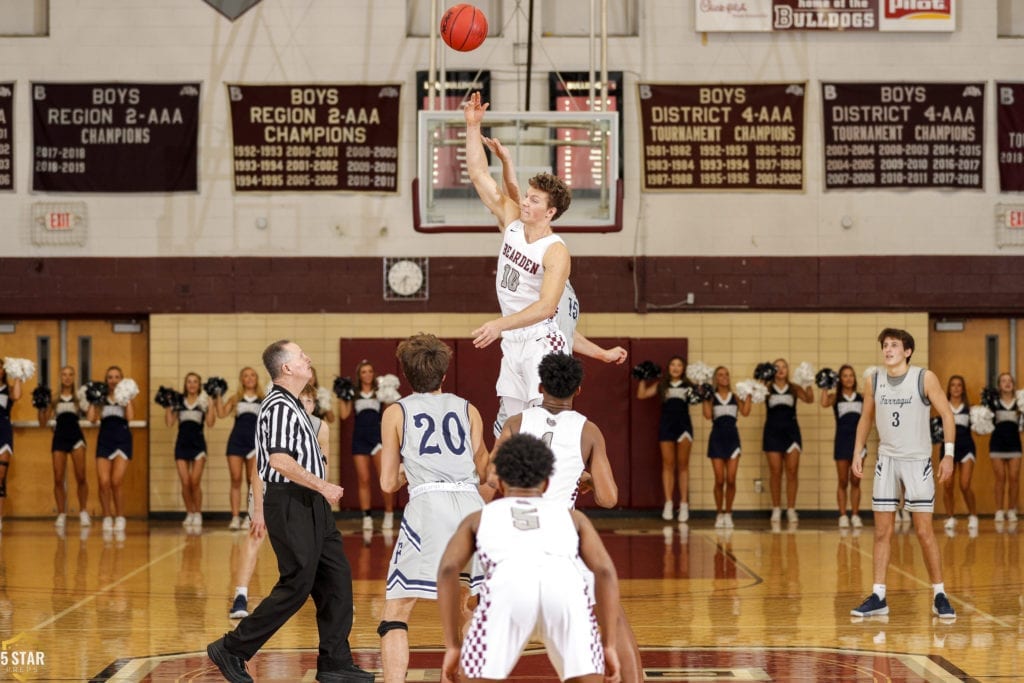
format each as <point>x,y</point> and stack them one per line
<point>242,590</point>
<point>879,590</point>
<point>938,588</point>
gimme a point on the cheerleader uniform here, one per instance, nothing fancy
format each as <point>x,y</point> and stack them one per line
<point>366,432</point>
<point>781,431</point>
<point>675,422</point>
<point>964,444</point>
<point>115,439</point>
<point>191,444</point>
<point>242,441</point>
<point>1005,443</point>
<point>6,430</point>
<point>67,435</point>
<point>724,442</point>
<point>847,411</point>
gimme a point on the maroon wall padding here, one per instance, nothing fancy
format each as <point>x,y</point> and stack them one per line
<point>477,372</point>
<point>605,401</point>
<point>645,455</point>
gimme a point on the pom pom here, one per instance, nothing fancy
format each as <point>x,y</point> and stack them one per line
<point>756,390</point>
<point>96,392</point>
<point>41,397</point>
<point>125,391</point>
<point>323,400</point>
<point>170,398</point>
<point>647,371</point>
<point>703,392</point>
<point>202,401</point>
<point>990,398</point>
<point>938,436</point>
<point>827,379</point>
<point>387,389</point>
<point>803,375</point>
<point>344,388</point>
<point>19,368</point>
<point>1020,400</point>
<point>699,372</point>
<point>764,372</point>
<point>215,387</point>
<point>83,400</point>
<point>982,420</point>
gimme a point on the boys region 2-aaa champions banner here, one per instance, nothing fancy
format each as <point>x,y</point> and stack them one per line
<point>825,15</point>
<point>315,138</point>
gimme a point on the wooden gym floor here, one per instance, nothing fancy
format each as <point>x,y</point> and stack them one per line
<point>751,605</point>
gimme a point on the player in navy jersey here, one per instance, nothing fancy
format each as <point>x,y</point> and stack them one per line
<point>782,442</point>
<point>10,391</point>
<point>366,442</point>
<point>190,446</point>
<point>964,455</point>
<point>241,450</point>
<point>847,406</point>
<point>723,409</point>
<point>113,450</point>
<point>68,440</point>
<point>675,433</point>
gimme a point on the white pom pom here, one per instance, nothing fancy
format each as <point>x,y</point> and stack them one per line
<point>700,372</point>
<point>323,399</point>
<point>756,390</point>
<point>202,401</point>
<point>125,391</point>
<point>82,402</point>
<point>1020,400</point>
<point>744,388</point>
<point>869,372</point>
<point>19,368</point>
<point>982,420</point>
<point>387,388</point>
<point>803,375</point>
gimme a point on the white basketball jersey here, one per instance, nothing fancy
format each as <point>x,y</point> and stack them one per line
<point>562,432</point>
<point>902,415</point>
<point>529,530</point>
<point>520,268</point>
<point>437,444</point>
<point>567,315</point>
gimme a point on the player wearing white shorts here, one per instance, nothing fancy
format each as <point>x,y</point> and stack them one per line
<point>533,584</point>
<point>898,402</point>
<point>434,442</point>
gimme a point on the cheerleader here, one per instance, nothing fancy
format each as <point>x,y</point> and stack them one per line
<point>113,450</point>
<point>1004,449</point>
<point>190,446</point>
<point>68,440</point>
<point>963,454</point>
<point>9,393</point>
<point>675,433</point>
<point>245,404</point>
<point>781,440</point>
<point>366,444</point>
<point>723,409</point>
<point>847,406</point>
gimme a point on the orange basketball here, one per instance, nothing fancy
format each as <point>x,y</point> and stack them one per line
<point>463,27</point>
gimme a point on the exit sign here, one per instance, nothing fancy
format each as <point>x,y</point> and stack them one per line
<point>59,220</point>
<point>1014,218</point>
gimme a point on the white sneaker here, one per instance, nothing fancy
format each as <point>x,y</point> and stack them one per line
<point>197,520</point>
<point>60,521</point>
<point>998,516</point>
<point>1011,515</point>
<point>844,522</point>
<point>776,514</point>
<point>119,524</point>
<point>950,523</point>
<point>684,512</point>
<point>727,521</point>
<point>791,516</point>
<point>666,511</point>
<point>367,523</point>
<point>720,520</point>
<point>108,523</point>
<point>84,519</point>
<point>246,522</point>
<point>389,521</point>
<point>235,524</point>
<point>188,519</point>
<point>972,523</point>
<point>856,521</point>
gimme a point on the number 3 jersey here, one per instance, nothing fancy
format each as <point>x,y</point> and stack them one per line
<point>436,439</point>
<point>902,415</point>
<point>520,268</point>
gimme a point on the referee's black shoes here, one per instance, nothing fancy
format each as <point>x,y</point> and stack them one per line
<point>231,666</point>
<point>350,673</point>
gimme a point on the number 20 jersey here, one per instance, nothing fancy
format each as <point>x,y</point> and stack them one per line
<point>437,445</point>
<point>902,416</point>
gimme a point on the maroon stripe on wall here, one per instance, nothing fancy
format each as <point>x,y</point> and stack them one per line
<point>104,286</point>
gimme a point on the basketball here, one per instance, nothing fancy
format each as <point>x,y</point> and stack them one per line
<point>463,27</point>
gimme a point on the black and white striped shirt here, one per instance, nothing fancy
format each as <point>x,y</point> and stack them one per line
<point>282,426</point>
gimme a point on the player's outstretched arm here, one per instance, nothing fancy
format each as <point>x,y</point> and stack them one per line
<point>585,347</point>
<point>508,169</point>
<point>606,491</point>
<point>606,584</point>
<point>449,599</point>
<point>867,418</point>
<point>502,206</point>
<point>391,449</point>
<point>937,397</point>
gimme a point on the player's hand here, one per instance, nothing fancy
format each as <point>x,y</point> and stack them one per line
<point>857,466</point>
<point>615,355</point>
<point>500,150</point>
<point>612,672</point>
<point>257,525</point>
<point>473,110</point>
<point>586,483</point>
<point>487,334</point>
<point>333,493</point>
<point>450,667</point>
<point>945,469</point>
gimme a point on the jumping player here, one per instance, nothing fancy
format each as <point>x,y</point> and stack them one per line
<point>531,548</point>
<point>434,442</point>
<point>898,401</point>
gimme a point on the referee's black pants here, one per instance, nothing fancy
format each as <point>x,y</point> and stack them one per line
<point>311,561</point>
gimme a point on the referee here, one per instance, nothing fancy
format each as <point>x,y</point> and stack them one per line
<point>300,522</point>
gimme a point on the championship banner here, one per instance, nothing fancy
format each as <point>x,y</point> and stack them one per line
<point>114,137</point>
<point>315,138</point>
<point>6,136</point>
<point>825,15</point>
<point>903,135</point>
<point>1010,136</point>
<point>722,137</point>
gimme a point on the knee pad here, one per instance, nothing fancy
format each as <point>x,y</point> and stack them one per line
<point>386,626</point>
